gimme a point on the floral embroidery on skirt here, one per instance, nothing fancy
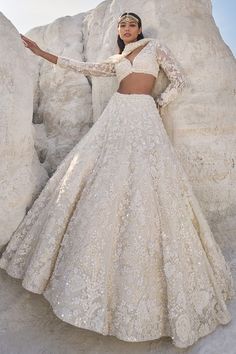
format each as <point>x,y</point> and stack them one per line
<point>116,240</point>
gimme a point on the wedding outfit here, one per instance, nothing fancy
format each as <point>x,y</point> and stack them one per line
<point>116,241</point>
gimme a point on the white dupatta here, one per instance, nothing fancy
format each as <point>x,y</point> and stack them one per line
<point>116,58</point>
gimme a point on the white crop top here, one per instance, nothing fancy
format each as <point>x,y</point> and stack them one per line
<point>148,60</point>
<point>144,62</point>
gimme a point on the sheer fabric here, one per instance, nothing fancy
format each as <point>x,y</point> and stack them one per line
<point>148,60</point>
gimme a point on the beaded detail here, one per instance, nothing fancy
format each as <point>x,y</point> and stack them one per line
<point>117,241</point>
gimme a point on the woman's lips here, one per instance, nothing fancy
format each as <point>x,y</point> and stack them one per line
<point>127,35</point>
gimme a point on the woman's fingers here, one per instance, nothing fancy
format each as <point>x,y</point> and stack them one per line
<point>27,39</point>
<point>30,44</point>
<point>26,44</point>
<point>23,37</point>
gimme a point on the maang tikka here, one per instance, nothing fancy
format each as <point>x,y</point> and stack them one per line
<point>127,17</point>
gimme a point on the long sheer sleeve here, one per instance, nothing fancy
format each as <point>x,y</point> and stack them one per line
<point>172,71</point>
<point>87,68</point>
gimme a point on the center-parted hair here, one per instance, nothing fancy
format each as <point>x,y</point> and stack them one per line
<point>120,42</point>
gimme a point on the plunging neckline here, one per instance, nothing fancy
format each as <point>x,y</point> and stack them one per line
<point>132,62</point>
<point>129,48</point>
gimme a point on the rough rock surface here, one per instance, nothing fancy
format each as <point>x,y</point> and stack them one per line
<point>201,124</point>
<point>21,176</point>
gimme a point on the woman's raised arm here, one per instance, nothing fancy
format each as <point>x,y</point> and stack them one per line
<point>86,68</point>
<point>28,43</point>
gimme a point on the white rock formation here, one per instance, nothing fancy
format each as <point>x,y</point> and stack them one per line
<point>62,104</point>
<point>21,176</point>
<point>201,124</point>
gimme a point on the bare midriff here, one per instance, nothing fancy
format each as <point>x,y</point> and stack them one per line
<point>138,83</point>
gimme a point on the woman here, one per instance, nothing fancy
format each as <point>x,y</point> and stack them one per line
<point>116,241</point>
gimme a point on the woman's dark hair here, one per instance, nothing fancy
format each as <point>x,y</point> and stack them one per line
<point>120,42</point>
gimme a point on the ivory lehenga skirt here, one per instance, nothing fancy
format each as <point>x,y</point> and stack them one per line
<point>117,242</point>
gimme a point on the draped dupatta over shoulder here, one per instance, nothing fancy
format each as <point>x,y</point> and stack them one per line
<point>116,58</point>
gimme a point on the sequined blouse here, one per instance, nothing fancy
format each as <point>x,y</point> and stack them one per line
<point>149,60</point>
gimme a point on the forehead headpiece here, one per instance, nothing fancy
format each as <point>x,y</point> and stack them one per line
<point>127,17</point>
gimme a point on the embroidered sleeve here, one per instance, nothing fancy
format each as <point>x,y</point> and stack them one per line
<point>87,68</point>
<point>172,71</point>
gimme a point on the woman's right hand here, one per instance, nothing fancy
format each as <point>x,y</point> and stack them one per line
<point>28,43</point>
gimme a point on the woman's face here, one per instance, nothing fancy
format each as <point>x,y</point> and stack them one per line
<point>129,31</point>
